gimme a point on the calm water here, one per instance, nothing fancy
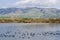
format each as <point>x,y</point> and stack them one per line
<point>29,31</point>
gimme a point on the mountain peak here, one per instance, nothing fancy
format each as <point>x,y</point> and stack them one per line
<point>31,12</point>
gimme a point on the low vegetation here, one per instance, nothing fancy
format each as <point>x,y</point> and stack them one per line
<point>29,20</point>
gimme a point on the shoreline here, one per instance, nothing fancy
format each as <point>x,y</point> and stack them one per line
<point>29,20</point>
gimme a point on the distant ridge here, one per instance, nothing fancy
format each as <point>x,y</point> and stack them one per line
<point>30,12</point>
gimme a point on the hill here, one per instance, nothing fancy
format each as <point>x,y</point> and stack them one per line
<point>32,12</point>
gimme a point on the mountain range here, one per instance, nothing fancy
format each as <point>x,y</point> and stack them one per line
<point>30,12</point>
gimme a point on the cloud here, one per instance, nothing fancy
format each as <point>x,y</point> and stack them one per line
<point>4,7</point>
<point>39,3</point>
<point>23,2</point>
<point>52,1</point>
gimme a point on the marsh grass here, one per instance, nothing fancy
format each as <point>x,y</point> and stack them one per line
<point>29,20</point>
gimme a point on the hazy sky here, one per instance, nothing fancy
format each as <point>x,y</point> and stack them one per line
<point>29,3</point>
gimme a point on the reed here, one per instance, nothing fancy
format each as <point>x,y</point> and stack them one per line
<point>29,20</point>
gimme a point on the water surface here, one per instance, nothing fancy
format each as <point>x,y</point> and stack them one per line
<point>29,31</point>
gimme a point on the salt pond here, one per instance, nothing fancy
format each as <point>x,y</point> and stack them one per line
<point>29,31</point>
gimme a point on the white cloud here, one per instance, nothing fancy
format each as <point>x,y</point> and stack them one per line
<point>27,2</point>
<point>4,7</point>
<point>52,1</point>
<point>46,2</point>
<point>22,2</point>
<point>37,2</point>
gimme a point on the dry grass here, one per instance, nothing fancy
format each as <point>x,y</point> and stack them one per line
<point>29,20</point>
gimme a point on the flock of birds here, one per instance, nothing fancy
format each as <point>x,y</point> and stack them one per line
<point>28,35</point>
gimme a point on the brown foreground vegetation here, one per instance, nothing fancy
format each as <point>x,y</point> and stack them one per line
<point>29,20</point>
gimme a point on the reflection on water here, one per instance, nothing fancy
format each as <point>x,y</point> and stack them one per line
<point>29,31</point>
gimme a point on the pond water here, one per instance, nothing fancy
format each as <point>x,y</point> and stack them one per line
<point>29,31</point>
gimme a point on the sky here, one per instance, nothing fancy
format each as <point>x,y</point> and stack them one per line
<point>30,3</point>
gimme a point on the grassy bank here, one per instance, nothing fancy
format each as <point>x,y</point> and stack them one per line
<point>29,20</point>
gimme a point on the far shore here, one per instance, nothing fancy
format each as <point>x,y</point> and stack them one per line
<point>29,20</point>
